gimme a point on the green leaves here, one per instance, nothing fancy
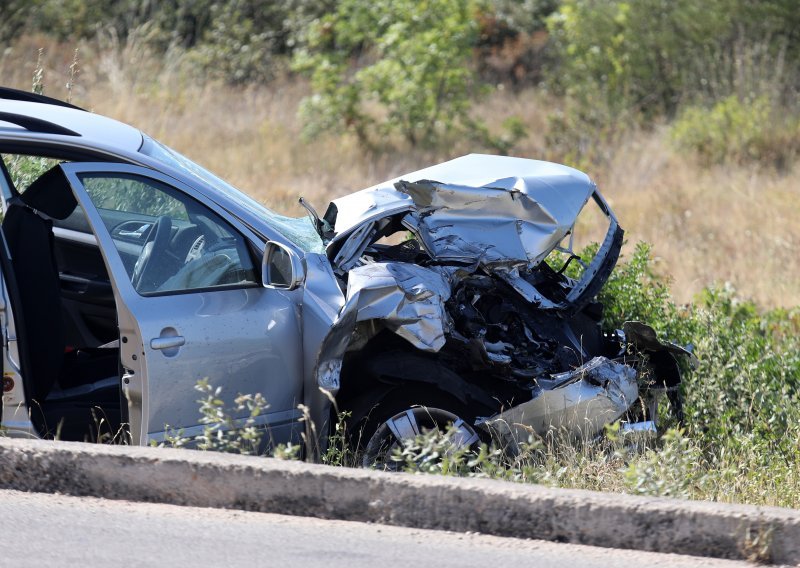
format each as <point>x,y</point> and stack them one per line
<point>390,67</point>
<point>635,54</point>
<point>745,391</point>
<point>743,131</point>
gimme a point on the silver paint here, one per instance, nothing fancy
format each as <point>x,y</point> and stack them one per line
<point>578,403</point>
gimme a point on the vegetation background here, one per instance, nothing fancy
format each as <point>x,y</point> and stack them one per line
<point>686,113</point>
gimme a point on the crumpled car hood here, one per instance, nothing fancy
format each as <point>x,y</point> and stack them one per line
<point>493,209</point>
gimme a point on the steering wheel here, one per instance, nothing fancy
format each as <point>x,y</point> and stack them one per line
<point>154,250</point>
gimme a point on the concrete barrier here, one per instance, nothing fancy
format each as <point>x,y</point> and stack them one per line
<point>205,479</point>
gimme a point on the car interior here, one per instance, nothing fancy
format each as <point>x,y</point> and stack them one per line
<point>65,325</point>
<point>62,297</point>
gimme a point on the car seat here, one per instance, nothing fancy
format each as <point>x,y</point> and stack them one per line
<point>66,387</point>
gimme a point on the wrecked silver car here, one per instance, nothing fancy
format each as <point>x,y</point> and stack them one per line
<point>448,296</point>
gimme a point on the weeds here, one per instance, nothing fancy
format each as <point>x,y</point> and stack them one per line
<point>746,131</point>
<point>224,429</point>
<point>674,466</point>
<point>339,451</point>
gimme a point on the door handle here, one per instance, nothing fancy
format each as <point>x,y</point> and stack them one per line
<point>167,342</point>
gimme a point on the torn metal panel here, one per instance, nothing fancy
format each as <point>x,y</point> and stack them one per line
<point>352,211</point>
<point>601,265</point>
<point>526,289</point>
<point>561,191</point>
<point>643,431</point>
<point>407,298</point>
<point>578,403</point>
<point>506,226</point>
<point>474,287</point>
<point>644,338</point>
<point>349,254</point>
<point>497,227</point>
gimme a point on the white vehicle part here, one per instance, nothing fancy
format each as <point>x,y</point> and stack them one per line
<point>499,226</point>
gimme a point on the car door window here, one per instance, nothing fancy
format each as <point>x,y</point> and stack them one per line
<point>168,242</point>
<point>24,169</point>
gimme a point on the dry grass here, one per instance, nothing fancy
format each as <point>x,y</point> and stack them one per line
<point>725,224</point>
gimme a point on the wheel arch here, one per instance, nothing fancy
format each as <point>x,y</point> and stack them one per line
<point>385,365</point>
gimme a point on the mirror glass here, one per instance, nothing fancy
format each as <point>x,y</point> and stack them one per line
<point>279,265</point>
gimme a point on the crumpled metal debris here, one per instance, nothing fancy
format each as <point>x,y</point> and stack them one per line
<point>407,298</point>
<point>560,190</point>
<point>482,227</point>
<point>577,403</point>
<point>499,226</point>
<point>644,338</point>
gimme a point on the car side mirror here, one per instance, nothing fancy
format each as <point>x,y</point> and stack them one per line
<point>281,268</point>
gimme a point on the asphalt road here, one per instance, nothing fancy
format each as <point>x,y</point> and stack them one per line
<point>54,530</point>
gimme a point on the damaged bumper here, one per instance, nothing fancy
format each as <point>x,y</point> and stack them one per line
<point>577,403</point>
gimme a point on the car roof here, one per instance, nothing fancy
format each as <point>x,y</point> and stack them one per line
<point>36,120</point>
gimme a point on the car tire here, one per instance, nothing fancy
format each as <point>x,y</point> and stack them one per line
<point>402,416</point>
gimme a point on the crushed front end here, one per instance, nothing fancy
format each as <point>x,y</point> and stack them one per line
<point>474,261</point>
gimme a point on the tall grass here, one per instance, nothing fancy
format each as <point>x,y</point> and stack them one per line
<point>730,224</point>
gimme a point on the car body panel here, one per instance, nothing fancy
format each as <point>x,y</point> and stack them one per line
<point>245,339</point>
<point>93,128</point>
<point>559,190</point>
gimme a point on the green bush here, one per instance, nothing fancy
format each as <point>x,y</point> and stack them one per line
<point>745,393</point>
<point>242,41</point>
<point>634,54</point>
<point>635,292</point>
<point>623,63</point>
<point>390,66</point>
<point>16,17</point>
<point>741,131</point>
<point>653,54</point>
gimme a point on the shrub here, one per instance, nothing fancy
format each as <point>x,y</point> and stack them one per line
<point>745,393</point>
<point>221,431</point>
<point>740,131</point>
<point>244,40</point>
<point>633,54</point>
<point>652,54</point>
<point>390,66</point>
<point>624,63</point>
<point>16,16</point>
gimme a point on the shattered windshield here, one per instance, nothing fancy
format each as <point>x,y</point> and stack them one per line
<point>299,231</point>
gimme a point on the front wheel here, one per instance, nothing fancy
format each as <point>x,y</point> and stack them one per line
<point>392,424</point>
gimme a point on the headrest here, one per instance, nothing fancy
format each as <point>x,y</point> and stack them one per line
<point>51,194</point>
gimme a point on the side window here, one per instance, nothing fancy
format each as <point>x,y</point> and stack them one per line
<point>168,242</point>
<point>24,169</point>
